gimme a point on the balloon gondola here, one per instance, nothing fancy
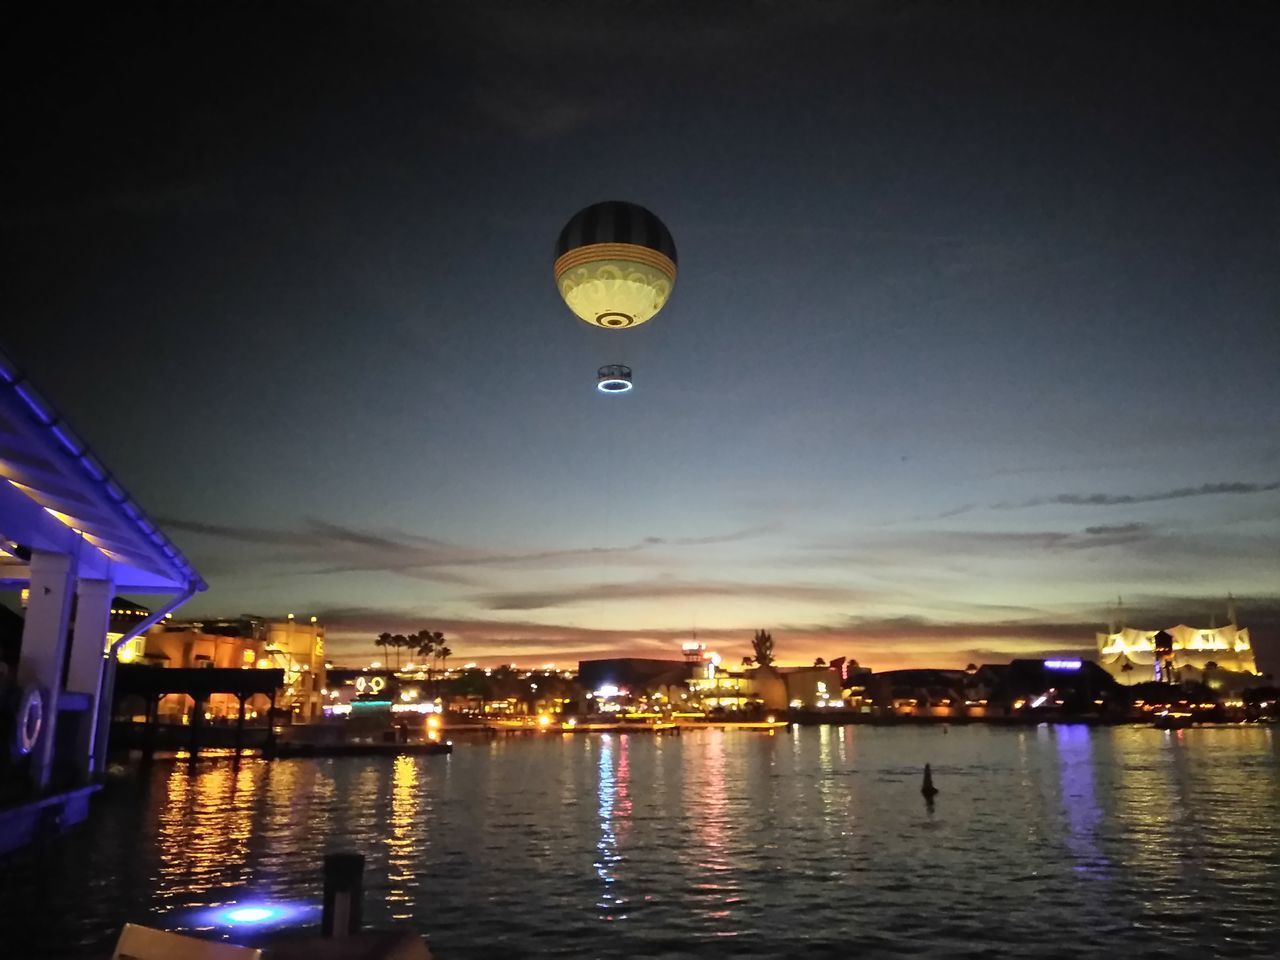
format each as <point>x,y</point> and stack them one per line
<point>614,378</point>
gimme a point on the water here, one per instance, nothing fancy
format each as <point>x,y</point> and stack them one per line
<point>814,842</point>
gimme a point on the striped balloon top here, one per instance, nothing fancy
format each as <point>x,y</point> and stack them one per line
<point>616,221</point>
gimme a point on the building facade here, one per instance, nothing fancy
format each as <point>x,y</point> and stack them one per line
<point>1220,657</point>
<point>246,644</point>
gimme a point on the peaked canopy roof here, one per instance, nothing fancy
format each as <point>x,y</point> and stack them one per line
<point>56,496</point>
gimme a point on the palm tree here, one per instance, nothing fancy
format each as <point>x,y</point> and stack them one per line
<point>762,647</point>
<point>428,645</point>
<point>424,645</point>
<point>383,641</point>
<point>819,662</point>
<point>444,653</point>
<point>399,641</point>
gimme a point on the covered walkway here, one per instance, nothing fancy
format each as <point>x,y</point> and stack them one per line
<point>71,538</point>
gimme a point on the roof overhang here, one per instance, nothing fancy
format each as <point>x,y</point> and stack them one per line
<point>57,497</point>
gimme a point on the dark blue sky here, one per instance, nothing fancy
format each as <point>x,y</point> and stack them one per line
<point>975,327</point>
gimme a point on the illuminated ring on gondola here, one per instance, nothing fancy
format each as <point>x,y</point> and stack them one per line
<point>30,720</point>
<point>613,378</point>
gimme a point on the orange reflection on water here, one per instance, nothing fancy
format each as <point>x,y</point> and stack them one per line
<point>403,841</point>
<point>204,829</point>
<point>716,887</point>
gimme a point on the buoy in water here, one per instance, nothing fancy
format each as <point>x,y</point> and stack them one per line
<point>927,788</point>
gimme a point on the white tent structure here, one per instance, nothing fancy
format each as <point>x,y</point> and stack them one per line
<point>72,538</point>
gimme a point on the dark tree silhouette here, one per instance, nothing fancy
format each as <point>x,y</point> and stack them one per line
<point>762,648</point>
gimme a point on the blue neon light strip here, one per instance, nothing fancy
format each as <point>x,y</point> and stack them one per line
<point>66,438</point>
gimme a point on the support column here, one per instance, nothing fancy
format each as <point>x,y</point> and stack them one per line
<point>44,648</point>
<point>241,697</point>
<point>88,649</point>
<point>195,727</point>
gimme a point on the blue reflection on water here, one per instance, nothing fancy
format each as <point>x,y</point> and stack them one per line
<point>1074,743</point>
<point>614,804</point>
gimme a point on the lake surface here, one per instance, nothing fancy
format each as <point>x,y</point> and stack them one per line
<point>815,841</point>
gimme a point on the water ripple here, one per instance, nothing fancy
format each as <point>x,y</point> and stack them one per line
<point>813,842</point>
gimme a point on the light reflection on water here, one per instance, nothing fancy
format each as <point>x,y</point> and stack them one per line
<point>816,840</point>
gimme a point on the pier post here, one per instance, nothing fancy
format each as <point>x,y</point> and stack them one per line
<point>240,724</point>
<point>343,894</point>
<point>194,728</point>
<point>270,748</point>
<point>152,721</point>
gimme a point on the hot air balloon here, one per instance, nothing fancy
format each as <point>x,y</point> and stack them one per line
<point>615,264</point>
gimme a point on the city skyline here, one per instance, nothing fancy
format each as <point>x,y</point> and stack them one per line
<point>977,341</point>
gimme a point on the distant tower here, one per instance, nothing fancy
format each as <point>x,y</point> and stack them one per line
<point>1231,610</point>
<point>1165,672</point>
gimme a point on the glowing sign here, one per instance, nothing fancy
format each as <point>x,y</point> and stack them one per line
<point>370,684</point>
<point>1063,664</point>
<point>608,690</point>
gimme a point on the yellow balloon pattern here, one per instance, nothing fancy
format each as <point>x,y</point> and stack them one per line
<point>603,285</point>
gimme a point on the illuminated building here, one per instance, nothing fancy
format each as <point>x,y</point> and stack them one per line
<point>296,648</point>
<point>919,692</point>
<point>1068,686</point>
<point>811,688</point>
<point>717,688</point>
<point>767,688</point>
<point>1221,657</point>
<point>635,675</point>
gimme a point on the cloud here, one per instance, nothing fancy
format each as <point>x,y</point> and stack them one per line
<point>1238,488</point>
<point>659,589</point>
<point>322,547</point>
<point>1122,499</point>
<point>937,543</point>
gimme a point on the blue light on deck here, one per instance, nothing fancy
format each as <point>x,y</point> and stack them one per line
<point>1063,664</point>
<point>260,914</point>
<point>251,914</point>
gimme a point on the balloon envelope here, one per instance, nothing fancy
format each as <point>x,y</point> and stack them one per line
<point>615,264</point>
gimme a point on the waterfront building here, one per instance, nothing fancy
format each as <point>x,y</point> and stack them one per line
<point>298,648</point>
<point>717,688</point>
<point>246,643</point>
<point>811,688</point>
<point>1070,686</point>
<point>918,692</point>
<point>634,681</point>
<point>702,683</point>
<point>855,683</point>
<point>1219,657</point>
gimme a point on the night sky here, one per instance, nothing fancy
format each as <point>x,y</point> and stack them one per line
<point>975,327</point>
